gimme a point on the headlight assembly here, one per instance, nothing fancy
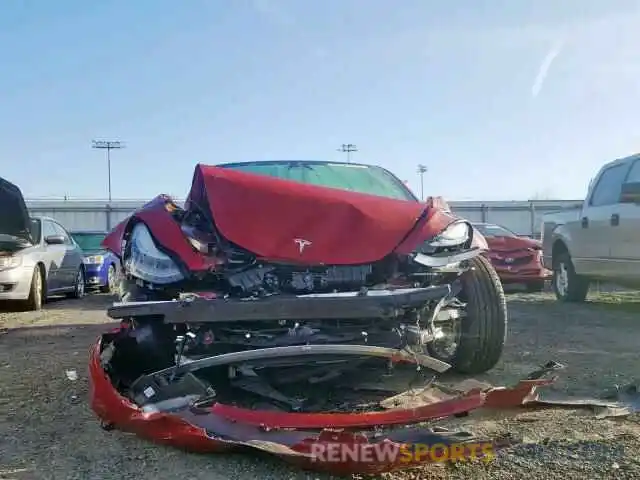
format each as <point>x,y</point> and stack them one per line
<point>9,262</point>
<point>94,260</point>
<point>147,262</point>
<point>455,234</point>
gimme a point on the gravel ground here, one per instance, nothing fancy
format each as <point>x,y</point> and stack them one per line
<point>48,431</point>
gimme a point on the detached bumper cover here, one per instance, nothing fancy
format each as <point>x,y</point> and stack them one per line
<point>304,439</point>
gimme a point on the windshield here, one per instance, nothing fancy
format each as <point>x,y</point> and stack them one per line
<point>89,242</point>
<point>344,176</point>
<point>489,230</point>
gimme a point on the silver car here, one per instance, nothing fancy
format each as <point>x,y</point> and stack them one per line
<point>38,257</point>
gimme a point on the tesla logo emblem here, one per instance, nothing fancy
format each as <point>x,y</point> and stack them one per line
<point>302,244</point>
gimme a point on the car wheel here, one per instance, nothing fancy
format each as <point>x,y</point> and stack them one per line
<point>111,280</point>
<point>130,291</point>
<point>535,287</point>
<point>567,285</point>
<point>476,340</point>
<point>36,292</point>
<point>79,286</point>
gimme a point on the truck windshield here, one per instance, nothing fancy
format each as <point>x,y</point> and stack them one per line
<point>344,176</point>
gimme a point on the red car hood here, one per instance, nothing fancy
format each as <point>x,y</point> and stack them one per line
<point>510,244</point>
<point>282,220</point>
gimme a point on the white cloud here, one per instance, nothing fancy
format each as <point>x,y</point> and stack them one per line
<point>543,71</point>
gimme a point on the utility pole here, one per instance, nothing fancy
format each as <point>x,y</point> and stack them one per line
<point>348,148</point>
<point>421,171</point>
<point>108,146</point>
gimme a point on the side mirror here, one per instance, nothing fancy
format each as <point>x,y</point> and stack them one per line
<point>54,240</point>
<point>630,193</point>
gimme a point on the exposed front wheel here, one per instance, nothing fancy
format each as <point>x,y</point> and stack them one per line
<point>477,339</point>
<point>567,284</point>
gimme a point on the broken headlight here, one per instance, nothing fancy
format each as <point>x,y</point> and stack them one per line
<point>148,263</point>
<point>455,234</point>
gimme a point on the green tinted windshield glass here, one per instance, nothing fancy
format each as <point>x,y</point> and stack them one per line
<point>356,178</point>
<point>89,242</point>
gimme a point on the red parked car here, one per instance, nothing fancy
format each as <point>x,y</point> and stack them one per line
<point>516,259</point>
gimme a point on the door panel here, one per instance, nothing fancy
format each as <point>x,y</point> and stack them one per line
<point>53,257</point>
<point>597,229</point>
<point>70,262</point>
<point>626,247</point>
<point>599,234</point>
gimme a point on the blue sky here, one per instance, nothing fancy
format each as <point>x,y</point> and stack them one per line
<point>501,99</point>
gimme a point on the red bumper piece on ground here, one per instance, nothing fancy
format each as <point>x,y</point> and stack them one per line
<point>297,438</point>
<point>269,419</point>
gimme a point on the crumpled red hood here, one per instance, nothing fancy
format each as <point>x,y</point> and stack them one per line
<point>282,220</point>
<point>509,244</point>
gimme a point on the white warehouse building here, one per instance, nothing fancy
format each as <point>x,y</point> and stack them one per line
<point>522,217</point>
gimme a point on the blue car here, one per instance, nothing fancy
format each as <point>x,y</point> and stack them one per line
<point>101,266</point>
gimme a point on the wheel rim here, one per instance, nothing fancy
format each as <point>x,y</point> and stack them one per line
<point>80,283</point>
<point>562,279</point>
<point>111,277</point>
<point>448,335</point>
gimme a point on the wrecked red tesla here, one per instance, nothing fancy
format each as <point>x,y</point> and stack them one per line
<point>281,285</point>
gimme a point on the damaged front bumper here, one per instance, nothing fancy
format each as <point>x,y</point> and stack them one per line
<point>341,443</point>
<point>342,306</point>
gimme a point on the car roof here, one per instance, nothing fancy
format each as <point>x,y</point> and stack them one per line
<point>622,160</point>
<point>306,162</point>
<point>42,217</point>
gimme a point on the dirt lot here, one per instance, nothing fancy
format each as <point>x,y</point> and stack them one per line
<point>48,431</point>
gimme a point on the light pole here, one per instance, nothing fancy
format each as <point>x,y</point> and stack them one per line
<point>348,148</point>
<point>108,146</point>
<point>421,171</point>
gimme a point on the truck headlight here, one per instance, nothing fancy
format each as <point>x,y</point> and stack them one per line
<point>455,234</point>
<point>147,262</point>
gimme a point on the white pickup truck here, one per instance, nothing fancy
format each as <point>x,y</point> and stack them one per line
<point>601,240</point>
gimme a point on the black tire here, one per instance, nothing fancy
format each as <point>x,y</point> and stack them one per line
<point>80,286</point>
<point>111,280</point>
<point>576,288</point>
<point>536,286</point>
<point>36,293</point>
<point>129,291</point>
<point>483,331</point>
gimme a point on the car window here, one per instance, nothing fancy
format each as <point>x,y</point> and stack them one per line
<point>607,190</point>
<point>634,173</point>
<point>36,229</point>
<point>63,232</point>
<point>48,229</point>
